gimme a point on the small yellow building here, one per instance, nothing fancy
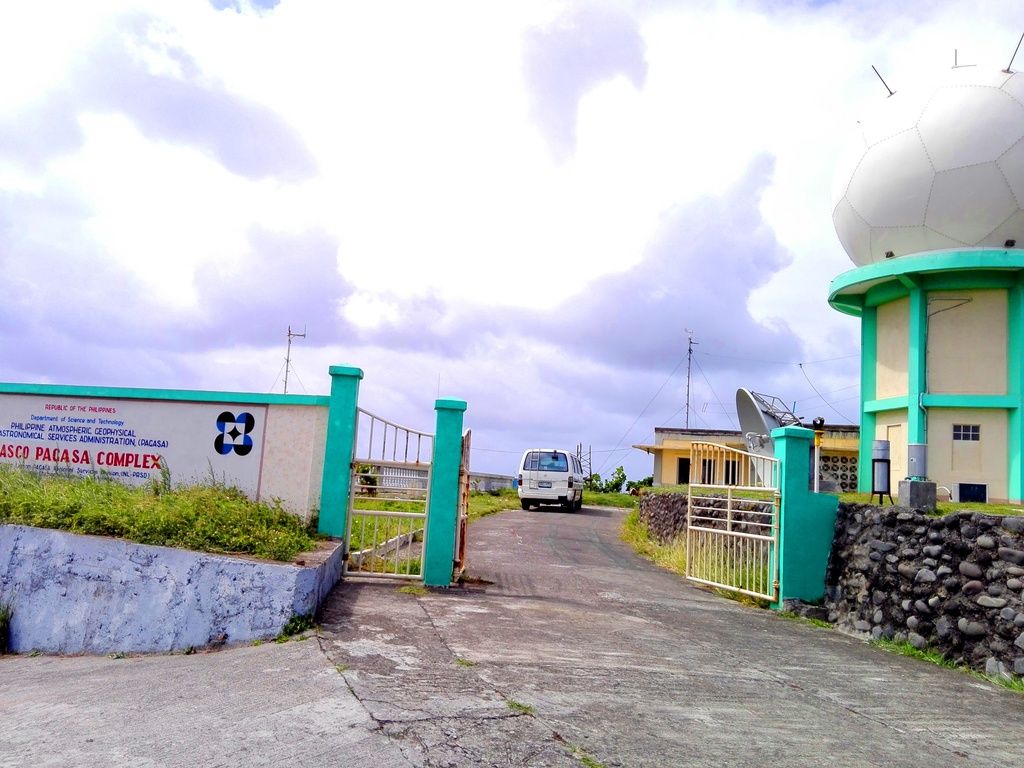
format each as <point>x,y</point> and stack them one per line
<point>671,452</point>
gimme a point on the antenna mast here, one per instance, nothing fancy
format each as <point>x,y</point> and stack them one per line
<point>689,360</point>
<point>1008,69</point>
<point>890,90</point>
<point>288,355</point>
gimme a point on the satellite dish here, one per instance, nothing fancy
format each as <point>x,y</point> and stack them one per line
<point>759,415</point>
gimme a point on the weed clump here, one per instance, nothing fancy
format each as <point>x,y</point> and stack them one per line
<point>207,518</point>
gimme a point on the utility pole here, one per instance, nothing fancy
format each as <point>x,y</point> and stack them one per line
<point>288,355</point>
<point>689,360</point>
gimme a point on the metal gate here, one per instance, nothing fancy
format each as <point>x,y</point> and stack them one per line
<point>387,513</point>
<point>732,522</point>
<point>462,520</point>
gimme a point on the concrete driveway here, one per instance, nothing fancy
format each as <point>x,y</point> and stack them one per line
<point>624,664</point>
<point>570,651</point>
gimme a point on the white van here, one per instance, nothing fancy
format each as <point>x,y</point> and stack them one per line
<point>550,476</point>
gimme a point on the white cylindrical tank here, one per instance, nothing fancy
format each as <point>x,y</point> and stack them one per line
<point>917,461</point>
<point>880,467</point>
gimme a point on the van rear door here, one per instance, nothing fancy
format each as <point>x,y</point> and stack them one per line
<point>530,464</point>
<point>552,473</point>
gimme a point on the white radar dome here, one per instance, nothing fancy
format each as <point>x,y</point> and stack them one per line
<point>937,167</point>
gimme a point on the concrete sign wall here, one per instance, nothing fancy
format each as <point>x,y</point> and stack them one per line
<point>135,440</point>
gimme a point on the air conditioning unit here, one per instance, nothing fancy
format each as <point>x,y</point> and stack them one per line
<point>977,492</point>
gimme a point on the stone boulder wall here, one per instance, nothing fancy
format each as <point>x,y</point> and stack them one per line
<point>955,583</point>
<point>664,514</point>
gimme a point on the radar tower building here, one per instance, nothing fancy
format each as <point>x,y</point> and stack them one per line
<point>928,202</point>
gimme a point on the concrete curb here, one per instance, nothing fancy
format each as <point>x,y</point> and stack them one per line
<point>91,594</point>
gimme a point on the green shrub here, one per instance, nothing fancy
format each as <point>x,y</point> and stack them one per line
<point>208,518</point>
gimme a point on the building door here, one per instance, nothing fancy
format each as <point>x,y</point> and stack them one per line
<point>896,435</point>
<point>683,471</point>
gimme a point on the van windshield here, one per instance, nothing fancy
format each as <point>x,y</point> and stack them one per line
<point>545,462</point>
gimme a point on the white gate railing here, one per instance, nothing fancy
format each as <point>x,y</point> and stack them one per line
<point>388,509</point>
<point>732,523</point>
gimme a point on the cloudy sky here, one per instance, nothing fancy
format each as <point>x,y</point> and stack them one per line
<point>523,204</point>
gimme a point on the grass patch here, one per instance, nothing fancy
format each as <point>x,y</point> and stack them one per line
<point>297,624</point>
<point>341,668</point>
<point>414,589</point>
<point>580,754</point>
<point>934,656</point>
<point>943,508</point>
<point>205,518</point>
<point>367,531</point>
<point>624,500</point>
<point>519,708</point>
<point>670,556</point>
<point>464,662</point>
<point>483,503</point>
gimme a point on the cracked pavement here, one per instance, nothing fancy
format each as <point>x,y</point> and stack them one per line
<point>570,650</point>
<point>628,665</point>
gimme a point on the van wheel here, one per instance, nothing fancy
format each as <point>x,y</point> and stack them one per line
<point>579,503</point>
<point>525,503</point>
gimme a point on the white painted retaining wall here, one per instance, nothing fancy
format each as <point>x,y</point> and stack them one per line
<point>90,594</point>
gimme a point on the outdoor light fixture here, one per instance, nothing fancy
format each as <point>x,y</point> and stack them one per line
<point>1010,243</point>
<point>889,254</point>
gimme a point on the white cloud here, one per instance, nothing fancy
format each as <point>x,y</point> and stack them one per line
<point>432,177</point>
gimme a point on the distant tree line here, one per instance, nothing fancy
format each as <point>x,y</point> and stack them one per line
<point>617,482</point>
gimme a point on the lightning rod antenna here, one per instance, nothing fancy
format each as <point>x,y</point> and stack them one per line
<point>288,355</point>
<point>890,90</point>
<point>689,359</point>
<point>1009,66</point>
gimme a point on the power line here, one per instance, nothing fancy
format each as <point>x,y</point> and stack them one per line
<point>729,415</point>
<point>826,402</point>
<point>777,362</point>
<point>642,412</point>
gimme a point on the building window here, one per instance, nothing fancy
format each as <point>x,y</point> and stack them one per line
<point>732,472</point>
<point>971,432</point>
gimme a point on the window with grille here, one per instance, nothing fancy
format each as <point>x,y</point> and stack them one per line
<point>971,432</point>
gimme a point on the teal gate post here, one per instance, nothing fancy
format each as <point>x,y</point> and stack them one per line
<point>442,508</point>
<point>807,520</point>
<point>336,484</point>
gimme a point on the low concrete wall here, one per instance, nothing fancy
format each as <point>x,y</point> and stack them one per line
<point>90,594</point>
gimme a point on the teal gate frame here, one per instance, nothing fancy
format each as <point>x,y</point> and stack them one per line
<point>749,514</point>
<point>442,494</point>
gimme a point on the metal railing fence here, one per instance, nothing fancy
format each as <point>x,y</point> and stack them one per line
<point>732,529</point>
<point>390,490</point>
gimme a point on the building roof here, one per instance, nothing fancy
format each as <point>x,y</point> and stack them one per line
<point>683,432</point>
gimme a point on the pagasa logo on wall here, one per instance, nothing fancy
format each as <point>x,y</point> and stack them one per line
<point>234,433</point>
